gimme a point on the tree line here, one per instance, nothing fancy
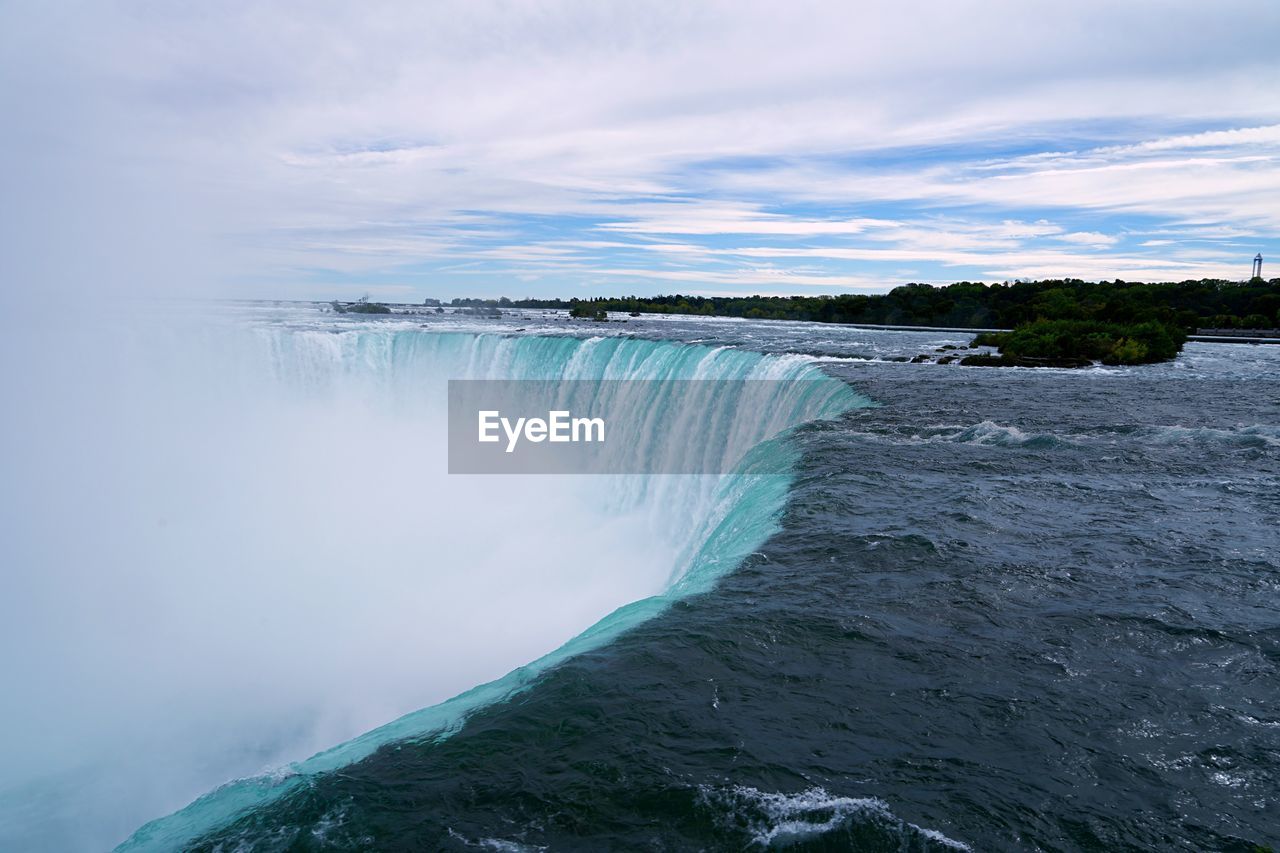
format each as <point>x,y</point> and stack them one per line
<point>1186,305</point>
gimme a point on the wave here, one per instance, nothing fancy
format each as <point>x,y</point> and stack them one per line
<point>783,820</point>
<point>992,434</point>
<point>710,522</point>
<point>1254,435</point>
<point>986,433</point>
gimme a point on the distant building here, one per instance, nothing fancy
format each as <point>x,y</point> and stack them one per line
<point>1257,266</point>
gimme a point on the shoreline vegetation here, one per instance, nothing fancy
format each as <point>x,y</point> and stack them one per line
<point>1052,323</point>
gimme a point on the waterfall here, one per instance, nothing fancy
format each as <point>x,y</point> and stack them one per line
<point>311,571</point>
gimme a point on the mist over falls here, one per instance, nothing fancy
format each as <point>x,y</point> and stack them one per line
<point>249,527</point>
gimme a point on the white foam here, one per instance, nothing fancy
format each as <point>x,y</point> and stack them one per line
<point>778,819</point>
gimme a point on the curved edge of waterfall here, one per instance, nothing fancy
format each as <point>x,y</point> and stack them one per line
<point>747,511</point>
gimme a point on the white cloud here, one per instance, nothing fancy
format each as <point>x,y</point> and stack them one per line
<point>1089,238</point>
<point>703,219</point>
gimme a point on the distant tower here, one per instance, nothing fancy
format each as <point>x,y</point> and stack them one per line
<point>1257,266</point>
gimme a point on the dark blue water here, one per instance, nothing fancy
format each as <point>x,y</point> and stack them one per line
<point>1007,610</point>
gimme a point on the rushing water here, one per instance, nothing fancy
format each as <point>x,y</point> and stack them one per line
<point>269,559</point>
<point>1002,609</point>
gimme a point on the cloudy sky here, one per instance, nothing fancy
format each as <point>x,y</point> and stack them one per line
<point>313,150</point>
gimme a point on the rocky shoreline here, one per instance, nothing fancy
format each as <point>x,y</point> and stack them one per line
<point>985,356</point>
